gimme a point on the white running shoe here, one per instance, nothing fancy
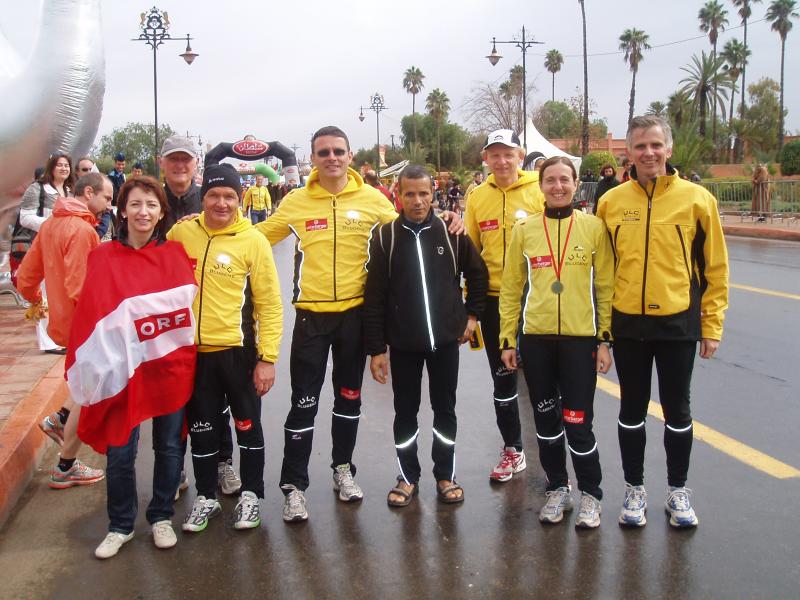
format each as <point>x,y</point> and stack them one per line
<point>247,512</point>
<point>589,512</point>
<point>111,544</point>
<point>229,482</point>
<point>164,535</point>
<point>202,510</point>
<point>294,505</point>
<point>634,506</point>
<point>511,462</point>
<point>344,484</point>
<point>558,502</point>
<point>680,511</point>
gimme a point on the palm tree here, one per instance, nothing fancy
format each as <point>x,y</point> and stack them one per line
<point>735,54</point>
<point>656,108</point>
<point>438,105</point>
<point>632,42</point>
<point>552,62</point>
<point>679,108</point>
<point>780,13</point>
<point>412,83</point>
<point>744,11</point>
<point>702,85</point>
<point>713,19</point>
<point>585,120</point>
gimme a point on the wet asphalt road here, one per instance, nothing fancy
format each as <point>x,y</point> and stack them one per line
<point>492,546</point>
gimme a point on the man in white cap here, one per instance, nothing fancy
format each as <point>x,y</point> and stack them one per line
<point>508,195</point>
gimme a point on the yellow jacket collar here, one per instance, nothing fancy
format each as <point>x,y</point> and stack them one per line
<point>315,189</point>
<point>525,177</point>
<point>239,225</point>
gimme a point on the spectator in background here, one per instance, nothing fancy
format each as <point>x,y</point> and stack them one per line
<point>84,165</point>
<point>137,170</point>
<point>117,174</point>
<point>608,180</point>
<point>761,192</point>
<point>372,178</point>
<point>626,170</point>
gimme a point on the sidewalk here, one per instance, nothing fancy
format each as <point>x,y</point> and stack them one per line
<point>733,224</point>
<point>31,385</point>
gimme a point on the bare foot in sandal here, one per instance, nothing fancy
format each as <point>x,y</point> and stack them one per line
<point>449,492</point>
<point>401,494</point>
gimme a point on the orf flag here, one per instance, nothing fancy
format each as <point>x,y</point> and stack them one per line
<point>131,353</point>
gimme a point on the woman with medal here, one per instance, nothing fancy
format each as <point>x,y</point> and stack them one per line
<point>565,257</point>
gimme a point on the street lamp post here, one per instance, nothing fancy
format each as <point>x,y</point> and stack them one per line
<point>155,31</point>
<point>495,57</point>
<point>376,104</point>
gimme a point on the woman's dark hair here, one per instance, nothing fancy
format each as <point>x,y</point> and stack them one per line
<point>607,166</point>
<point>148,185</point>
<point>530,159</point>
<point>556,160</point>
<point>47,176</point>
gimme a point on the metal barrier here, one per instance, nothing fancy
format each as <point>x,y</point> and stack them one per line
<point>781,196</point>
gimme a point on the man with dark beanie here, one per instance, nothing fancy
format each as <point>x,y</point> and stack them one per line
<point>233,261</point>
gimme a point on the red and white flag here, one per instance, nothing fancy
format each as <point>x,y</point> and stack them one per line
<point>131,353</point>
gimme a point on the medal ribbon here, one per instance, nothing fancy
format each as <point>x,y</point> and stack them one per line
<point>550,246</point>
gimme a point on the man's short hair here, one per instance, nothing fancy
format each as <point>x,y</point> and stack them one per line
<point>646,122</point>
<point>92,180</point>
<point>329,130</point>
<point>371,177</point>
<point>411,171</point>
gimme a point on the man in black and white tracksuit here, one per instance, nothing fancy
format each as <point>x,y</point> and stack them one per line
<point>414,303</point>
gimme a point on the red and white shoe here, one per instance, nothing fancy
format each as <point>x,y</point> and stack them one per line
<point>511,462</point>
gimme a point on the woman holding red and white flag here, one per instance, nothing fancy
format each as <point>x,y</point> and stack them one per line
<point>132,357</point>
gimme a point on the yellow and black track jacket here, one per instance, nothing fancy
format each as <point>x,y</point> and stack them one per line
<point>233,266</point>
<point>257,198</point>
<point>332,233</point>
<point>671,279</point>
<point>491,214</point>
<point>583,308</point>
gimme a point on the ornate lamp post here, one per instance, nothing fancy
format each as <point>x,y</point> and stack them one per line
<point>155,31</point>
<point>376,104</point>
<point>495,57</point>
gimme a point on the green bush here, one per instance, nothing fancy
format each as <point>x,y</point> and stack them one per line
<point>594,160</point>
<point>790,158</point>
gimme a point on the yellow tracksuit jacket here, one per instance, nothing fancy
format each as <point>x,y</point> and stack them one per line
<point>491,214</point>
<point>584,306</point>
<point>332,233</point>
<point>257,198</point>
<point>671,260</point>
<point>225,261</point>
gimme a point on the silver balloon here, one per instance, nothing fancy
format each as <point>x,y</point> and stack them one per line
<point>53,101</point>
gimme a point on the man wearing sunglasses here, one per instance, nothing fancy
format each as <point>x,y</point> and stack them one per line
<point>85,165</point>
<point>332,219</point>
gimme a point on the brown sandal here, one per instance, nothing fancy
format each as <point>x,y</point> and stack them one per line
<point>443,494</point>
<point>407,496</point>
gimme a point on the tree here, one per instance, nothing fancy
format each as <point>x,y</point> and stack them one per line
<point>744,11</point>
<point>412,83</point>
<point>552,62</point>
<point>585,119</point>
<point>762,117</point>
<point>438,106</point>
<point>557,119</point>
<point>713,19</point>
<point>135,140</point>
<point>790,158</point>
<point>735,54</point>
<point>688,149</point>
<point>780,13</point>
<point>657,108</point>
<point>679,108</point>
<point>492,107</point>
<point>632,42</point>
<point>702,86</point>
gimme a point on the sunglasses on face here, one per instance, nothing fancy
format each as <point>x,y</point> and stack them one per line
<point>85,169</point>
<point>325,153</point>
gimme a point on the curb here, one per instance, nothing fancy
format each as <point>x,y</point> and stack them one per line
<point>756,232</point>
<point>21,442</point>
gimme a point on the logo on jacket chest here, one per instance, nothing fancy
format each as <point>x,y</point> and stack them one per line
<point>632,214</point>
<point>148,328</point>
<point>222,265</point>
<point>577,256</point>
<point>541,262</point>
<point>352,221</point>
<point>316,224</point>
<point>490,225</point>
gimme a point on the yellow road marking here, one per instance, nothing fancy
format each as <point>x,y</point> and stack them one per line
<point>727,445</point>
<point>749,288</point>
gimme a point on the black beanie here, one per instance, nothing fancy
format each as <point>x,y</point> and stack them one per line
<point>221,175</point>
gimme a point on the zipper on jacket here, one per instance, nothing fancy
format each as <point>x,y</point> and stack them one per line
<point>333,205</point>
<point>683,249</point>
<point>504,229</point>
<point>558,262</point>
<point>647,240</point>
<point>202,281</point>
<point>424,290</point>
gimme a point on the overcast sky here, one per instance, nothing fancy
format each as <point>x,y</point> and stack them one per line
<point>281,70</point>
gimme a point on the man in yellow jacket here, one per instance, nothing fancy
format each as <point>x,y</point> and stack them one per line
<point>331,220</point>
<point>257,201</point>
<point>238,284</point>
<point>670,292</point>
<point>509,194</point>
